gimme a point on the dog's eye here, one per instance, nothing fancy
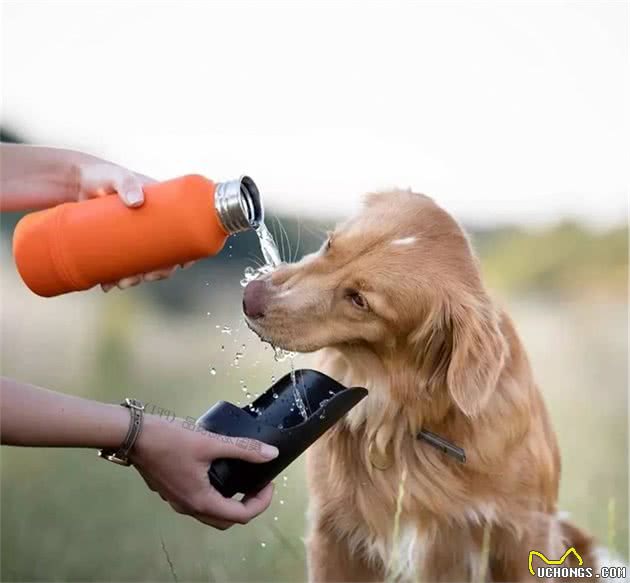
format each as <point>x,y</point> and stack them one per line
<point>358,301</point>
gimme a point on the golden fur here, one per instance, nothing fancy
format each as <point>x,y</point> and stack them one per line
<point>396,303</point>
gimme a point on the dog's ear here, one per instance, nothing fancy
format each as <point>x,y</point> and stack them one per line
<point>477,353</point>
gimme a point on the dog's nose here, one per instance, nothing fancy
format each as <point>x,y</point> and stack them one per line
<point>255,299</point>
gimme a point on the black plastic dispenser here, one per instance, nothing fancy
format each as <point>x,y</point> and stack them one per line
<point>277,417</point>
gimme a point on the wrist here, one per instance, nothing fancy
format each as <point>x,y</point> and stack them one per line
<point>115,423</point>
<point>152,426</point>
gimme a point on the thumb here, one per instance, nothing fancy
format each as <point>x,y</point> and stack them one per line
<point>130,191</point>
<point>243,448</point>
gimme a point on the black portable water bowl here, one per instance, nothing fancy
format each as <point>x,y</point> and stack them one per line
<point>275,418</point>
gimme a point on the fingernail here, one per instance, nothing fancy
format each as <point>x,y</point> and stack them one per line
<point>153,276</point>
<point>269,451</point>
<point>134,197</point>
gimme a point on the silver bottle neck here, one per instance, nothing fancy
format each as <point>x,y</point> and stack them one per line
<point>238,205</point>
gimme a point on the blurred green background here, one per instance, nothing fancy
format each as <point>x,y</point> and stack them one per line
<point>68,516</point>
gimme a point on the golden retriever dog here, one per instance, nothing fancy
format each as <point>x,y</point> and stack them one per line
<point>395,303</point>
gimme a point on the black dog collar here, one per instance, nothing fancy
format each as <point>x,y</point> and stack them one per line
<point>443,445</point>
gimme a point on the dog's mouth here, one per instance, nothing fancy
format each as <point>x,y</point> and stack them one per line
<point>257,329</point>
<point>269,318</point>
<point>257,297</point>
<point>279,342</point>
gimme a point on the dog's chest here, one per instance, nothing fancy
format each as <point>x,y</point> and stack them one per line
<point>398,554</point>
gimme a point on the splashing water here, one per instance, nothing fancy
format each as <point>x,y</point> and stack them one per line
<point>296,394</point>
<point>271,256</point>
<point>270,253</point>
<point>280,354</point>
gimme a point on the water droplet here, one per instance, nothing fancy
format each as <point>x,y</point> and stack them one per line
<point>280,354</point>
<point>263,545</point>
<point>285,478</point>
<point>213,371</point>
<point>275,518</point>
<point>281,501</point>
<point>273,379</point>
<point>217,326</point>
<point>249,274</point>
<point>226,330</point>
<point>274,395</point>
<point>248,395</point>
<point>222,347</point>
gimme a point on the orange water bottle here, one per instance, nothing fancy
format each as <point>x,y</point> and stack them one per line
<point>77,245</point>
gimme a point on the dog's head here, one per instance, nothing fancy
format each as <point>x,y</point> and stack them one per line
<point>399,281</point>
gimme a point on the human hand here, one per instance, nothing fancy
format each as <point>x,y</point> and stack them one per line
<point>99,178</point>
<point>174,462</point>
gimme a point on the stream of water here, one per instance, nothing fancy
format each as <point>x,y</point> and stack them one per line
<point>272,258</point>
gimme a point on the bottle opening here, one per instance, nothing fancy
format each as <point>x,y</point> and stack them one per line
<point>251,198</point>
<point>238,205</point>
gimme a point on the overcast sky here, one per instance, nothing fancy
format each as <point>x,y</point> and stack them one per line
<point>501,111</point>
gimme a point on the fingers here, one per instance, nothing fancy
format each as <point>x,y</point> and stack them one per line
<point>127,282</point>
<point>105,178</point>
<point>130,191</point>
<point>260,501</point>
<point>156,275</point>
<point>214,522</point>
<point>251,450</point>
<point>159,274</point>
<point>242,511</point>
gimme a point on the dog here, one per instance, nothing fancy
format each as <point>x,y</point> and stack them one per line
<point>394,302</point>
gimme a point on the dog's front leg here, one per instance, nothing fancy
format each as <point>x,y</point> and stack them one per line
<point>329,560</point>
